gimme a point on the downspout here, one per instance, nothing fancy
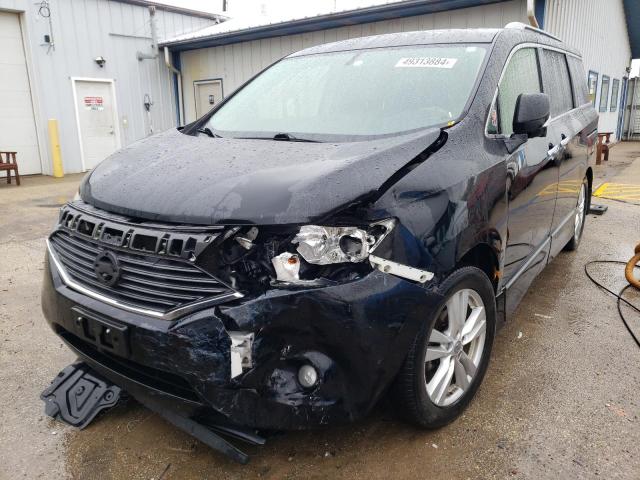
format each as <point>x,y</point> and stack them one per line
<point>154,37</point>
<point>531,13</point>
<point>178,74</point>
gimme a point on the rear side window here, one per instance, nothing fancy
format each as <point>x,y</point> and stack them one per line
<point>555,76</point>
<point>578,76</point>
<point>521,75</point>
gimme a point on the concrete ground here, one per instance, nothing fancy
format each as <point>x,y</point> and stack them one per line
<point>560,399</point>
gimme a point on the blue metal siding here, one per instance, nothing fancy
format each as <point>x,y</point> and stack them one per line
<point>632,11</point>
<point>540,12</point>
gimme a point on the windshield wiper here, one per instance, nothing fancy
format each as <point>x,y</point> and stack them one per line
<point>287,137</point>
<point>208,131</point>
<point>282,137</point>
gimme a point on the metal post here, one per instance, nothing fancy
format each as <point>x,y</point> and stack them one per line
<point>54,143</point>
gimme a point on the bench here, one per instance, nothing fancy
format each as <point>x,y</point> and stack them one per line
<point>604,145</point>
<point>8,162</point>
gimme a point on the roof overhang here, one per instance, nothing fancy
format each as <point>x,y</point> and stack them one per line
<point>321,22</point>
<point>171,8</point>
<point>632,12</point>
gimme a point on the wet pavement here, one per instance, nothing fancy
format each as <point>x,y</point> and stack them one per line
<point>560,399</point>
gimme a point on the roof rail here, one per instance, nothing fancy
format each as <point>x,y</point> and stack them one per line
<point>524,26</point>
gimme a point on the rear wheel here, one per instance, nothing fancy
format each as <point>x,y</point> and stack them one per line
<point>580,216</point>
<point>450,354</point>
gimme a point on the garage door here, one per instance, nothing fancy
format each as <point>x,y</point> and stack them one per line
<point>17,125</point>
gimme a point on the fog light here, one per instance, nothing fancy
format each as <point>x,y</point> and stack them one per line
<point>307,376</point>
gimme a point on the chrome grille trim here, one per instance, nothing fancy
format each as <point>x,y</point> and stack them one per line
<point>156,286</point>
<point>169,315</point>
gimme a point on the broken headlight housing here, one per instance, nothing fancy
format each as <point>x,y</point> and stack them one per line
<point>321,245</point>
<point>254,259</point>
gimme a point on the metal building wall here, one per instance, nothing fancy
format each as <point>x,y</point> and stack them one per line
<point>236,63</point>
<point>83,30</point>
<point>598,29</point>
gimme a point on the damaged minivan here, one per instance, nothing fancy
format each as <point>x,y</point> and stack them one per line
<point>354,221</point>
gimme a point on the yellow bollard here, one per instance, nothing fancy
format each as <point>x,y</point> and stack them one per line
<point>54,141</point>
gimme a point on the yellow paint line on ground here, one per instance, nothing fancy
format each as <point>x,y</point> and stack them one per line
<point>618,191</point>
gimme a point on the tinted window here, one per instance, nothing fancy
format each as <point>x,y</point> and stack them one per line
<point>555,76</point>
<point>520,76</point>
<point>578,79</point>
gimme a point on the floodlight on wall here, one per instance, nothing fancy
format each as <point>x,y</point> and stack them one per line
<point>100,61</point>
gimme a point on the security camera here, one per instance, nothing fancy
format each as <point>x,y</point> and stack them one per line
<point>100,61</point>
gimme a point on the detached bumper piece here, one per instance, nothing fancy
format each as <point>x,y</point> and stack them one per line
<point>78,393</point>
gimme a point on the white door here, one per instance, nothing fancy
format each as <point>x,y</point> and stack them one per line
<point>17,124</point>
<point>97,121</point>
<point>208,93</point>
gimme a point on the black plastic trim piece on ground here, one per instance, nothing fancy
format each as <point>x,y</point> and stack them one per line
<point>597,209</point>
<point>78,394</point>
<point>197,430</point>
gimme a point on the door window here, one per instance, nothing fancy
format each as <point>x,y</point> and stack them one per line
<point>555,76</point>
<point>520,76</point>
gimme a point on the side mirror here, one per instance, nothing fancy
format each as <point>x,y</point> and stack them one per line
<point>531,113</point>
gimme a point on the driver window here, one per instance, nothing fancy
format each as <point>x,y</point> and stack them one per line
<point>520,76</point>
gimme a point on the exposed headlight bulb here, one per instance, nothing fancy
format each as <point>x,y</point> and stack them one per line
<point>307,376</point>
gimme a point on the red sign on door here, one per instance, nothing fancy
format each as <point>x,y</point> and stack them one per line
<point>93,103</point>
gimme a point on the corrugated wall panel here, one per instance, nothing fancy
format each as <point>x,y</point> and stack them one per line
<point>237,63</point>
<point>598,29</point>
<point>83,30</point>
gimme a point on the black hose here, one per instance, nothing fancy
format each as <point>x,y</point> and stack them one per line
<point>617,295</point>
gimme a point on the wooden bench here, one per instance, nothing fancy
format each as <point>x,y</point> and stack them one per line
<point>8,162</point>
<point>604,145</point>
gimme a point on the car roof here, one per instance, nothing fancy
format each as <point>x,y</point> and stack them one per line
<point>514,33</point>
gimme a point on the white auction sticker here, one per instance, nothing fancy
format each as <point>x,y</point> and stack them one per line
<point>427,62</point>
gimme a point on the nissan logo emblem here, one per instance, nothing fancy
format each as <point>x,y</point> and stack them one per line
<point>107,268</point>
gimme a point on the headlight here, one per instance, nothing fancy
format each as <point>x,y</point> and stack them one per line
<point>326,245</point>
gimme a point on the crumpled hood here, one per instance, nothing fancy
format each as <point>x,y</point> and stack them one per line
<point>173,177</point>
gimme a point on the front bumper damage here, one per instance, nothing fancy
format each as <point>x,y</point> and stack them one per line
<point>356,335</point>
<point>236,364</point>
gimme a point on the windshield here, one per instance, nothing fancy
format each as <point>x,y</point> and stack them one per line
<point>354,93</point>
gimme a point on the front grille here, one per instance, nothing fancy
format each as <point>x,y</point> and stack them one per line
<point>147,282</point>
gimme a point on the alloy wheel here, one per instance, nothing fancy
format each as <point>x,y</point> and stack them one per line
<point>455,348</point>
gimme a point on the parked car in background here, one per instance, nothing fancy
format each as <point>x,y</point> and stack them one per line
<point>357,219</point>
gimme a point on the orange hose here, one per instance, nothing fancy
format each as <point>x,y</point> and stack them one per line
<point>631,265</point>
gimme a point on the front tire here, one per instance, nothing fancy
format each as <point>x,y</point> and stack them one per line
<point>581,215</point>
<point>450,354</point>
